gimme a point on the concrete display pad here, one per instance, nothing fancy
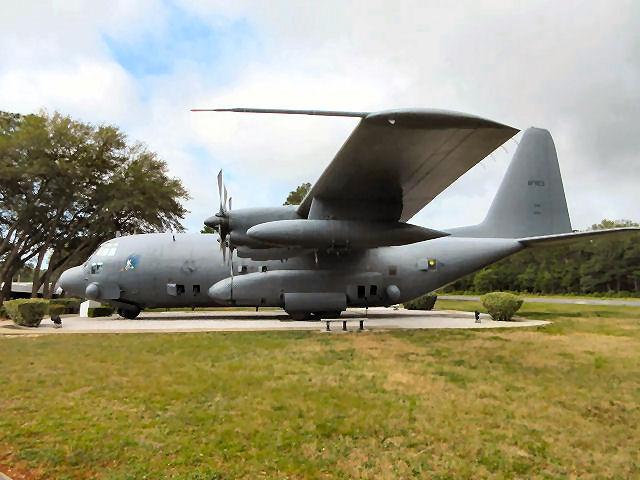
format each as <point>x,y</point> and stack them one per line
<point>564,301</point>
<point>225,320</point>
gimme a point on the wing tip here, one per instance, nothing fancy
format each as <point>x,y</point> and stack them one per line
<point>433,118</point>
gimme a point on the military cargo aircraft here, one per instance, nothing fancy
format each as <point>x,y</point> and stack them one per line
<point>349,243</point>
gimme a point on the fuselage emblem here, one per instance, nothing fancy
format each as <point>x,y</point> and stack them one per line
<point>131,263</point>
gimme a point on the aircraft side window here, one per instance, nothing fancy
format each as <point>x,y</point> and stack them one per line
<point>196,290</point>
<point>107,250</point>
<point>180,289</point>
<point>96,267</point>
<point>242,269</point>
<point>263,268</point>
<point>361,291</point>
<point>373,290</point>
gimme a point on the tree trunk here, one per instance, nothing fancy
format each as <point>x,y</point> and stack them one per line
<point>45,283</point>
<point>35,286</point>
<point>5,292</point>
<point>7,278</point>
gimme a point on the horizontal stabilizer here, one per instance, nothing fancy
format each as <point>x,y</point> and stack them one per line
<point>567,238</point>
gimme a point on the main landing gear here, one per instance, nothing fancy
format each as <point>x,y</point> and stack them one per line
<point>129,312</point>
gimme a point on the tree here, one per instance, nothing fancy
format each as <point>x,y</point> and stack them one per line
<point>67,186</point>
<point>296,196</point>
<point>486,281</point>
<point>590,266</point>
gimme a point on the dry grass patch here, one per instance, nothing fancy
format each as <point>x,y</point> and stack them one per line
<point>546,403</point>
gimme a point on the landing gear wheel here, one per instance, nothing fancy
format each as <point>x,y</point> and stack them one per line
<point>130,312</point>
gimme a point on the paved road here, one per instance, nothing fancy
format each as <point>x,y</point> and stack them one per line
<point>572,301</point>
<point>378,318</point>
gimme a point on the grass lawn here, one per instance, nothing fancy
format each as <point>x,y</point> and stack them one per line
<point>555,402</point>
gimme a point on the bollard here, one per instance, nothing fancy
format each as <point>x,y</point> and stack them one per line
<point>477,314</point>
<point>328,327</point>
<point>344,325</point>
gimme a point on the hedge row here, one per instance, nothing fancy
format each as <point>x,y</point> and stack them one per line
<point>100,311</point>
<point>500,305</point>
<point>425,302</point>
<point>70,304</point>
<point>29,312</point>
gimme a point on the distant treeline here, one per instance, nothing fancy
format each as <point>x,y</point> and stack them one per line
<point>608,267</point>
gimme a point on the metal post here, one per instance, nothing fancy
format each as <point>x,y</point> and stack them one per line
<point>361,324</point>
<point>344,325</point>
<point>328,327</point>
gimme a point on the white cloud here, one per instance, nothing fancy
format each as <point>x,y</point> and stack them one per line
<point>573,68</point>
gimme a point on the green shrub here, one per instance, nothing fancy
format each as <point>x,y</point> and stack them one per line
<point>27,312</point>
<point>500,305</point>
<point>55,310</point>
<point>100,311</point>
<point>71,305</point>
<point>425,302</point>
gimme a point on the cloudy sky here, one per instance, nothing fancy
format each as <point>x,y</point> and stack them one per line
<point>571,67</point>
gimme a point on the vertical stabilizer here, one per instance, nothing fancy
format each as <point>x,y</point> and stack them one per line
<point>530,201</point>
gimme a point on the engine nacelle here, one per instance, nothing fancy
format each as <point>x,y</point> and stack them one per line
<point>237,222</point>
<point>340,234</point>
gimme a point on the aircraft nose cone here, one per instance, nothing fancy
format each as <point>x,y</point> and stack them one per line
<point>221,291</point>
<point>72,281</point>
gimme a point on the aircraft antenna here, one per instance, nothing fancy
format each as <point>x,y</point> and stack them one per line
<point>324,113</point>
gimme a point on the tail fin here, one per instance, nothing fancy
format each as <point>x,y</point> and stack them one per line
<point>530,201</point>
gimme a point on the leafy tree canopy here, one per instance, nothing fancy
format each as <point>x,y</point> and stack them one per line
<point>296,196</point>
<point>67,186</point>
<point>600,266</point>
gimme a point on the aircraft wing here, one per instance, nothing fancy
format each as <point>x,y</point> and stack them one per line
<point>621,233</point>
<point>395,162</point>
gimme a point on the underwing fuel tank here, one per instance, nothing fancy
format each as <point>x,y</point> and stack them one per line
<point>340,233</point>
<point>270,289</point>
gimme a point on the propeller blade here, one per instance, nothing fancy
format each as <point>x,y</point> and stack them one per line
<point>225,198</point>
<point>220,188</point>
<point>230,198</point>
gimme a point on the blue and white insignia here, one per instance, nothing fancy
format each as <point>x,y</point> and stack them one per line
<point>131,263</point>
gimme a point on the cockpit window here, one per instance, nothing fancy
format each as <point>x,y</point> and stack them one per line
<point>96,267</point>
<point>107,250</point>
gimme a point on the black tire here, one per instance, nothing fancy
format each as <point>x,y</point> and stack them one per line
<point>129,313</point>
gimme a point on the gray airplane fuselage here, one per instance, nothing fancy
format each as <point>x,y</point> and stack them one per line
<point>165,270</point>
<point>361,260</point>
